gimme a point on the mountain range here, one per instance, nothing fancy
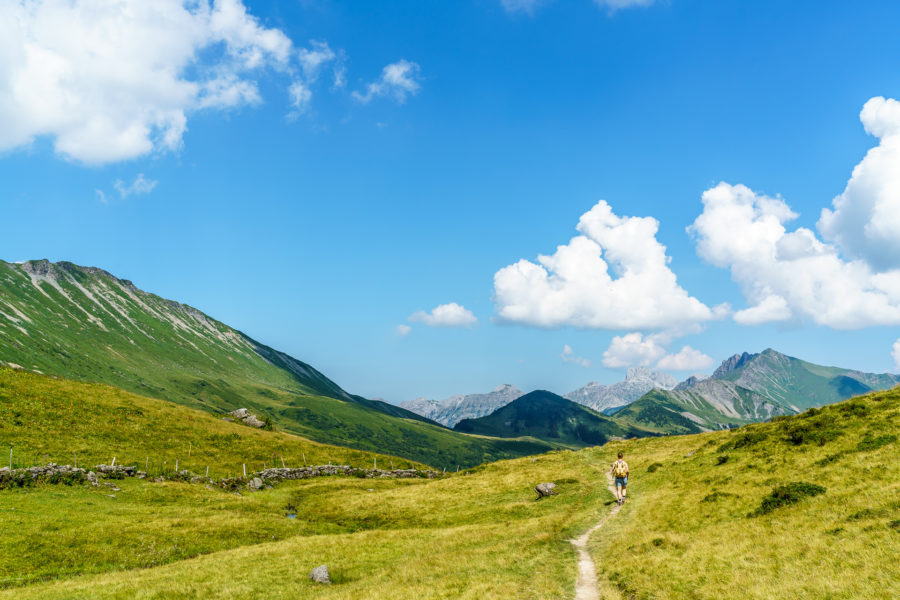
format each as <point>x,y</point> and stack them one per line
<point>454,409</point>
<point>546,416</point>
<point>748,388</point>
<point>638,381</point>
<point>84,323</point>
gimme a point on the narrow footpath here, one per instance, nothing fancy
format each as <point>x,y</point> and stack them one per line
<point>586,584</point>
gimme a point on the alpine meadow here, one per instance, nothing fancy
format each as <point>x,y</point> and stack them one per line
<point>478,300</point>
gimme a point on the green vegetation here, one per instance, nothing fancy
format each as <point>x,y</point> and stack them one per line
<point>684,534</point>
<point>85,324</point>
<point>478,535</point>
<point>546,416</point>
<point>785,495</point>
<point>831,538</point>
<point>53,420</point>
<point>750,388</point>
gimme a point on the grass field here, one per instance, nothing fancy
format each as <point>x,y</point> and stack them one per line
<point>687,531</point>
<point>729,514</point>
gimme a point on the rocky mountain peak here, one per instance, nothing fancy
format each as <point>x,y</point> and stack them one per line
<point>732,364</point>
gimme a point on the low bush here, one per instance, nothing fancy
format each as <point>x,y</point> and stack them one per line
<point>873,443</point>
<point>652,468</point>
<point>785,495</point>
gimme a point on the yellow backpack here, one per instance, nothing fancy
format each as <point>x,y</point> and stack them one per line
<point>620,469</point>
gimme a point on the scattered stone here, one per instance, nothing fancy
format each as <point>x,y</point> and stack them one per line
<point>247,418</point>
<point>92,478</point>
<point>255,483</point>
<point>545,489</point>
<point>320,574</point>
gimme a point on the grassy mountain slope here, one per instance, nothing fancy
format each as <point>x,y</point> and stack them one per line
<point>44,419</point>
<point>749,388</point>
<point>546,416</point>
<point>83,323</point>
<point>692,527</point>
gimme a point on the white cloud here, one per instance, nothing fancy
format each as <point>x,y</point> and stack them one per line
<point>865,219</point>
<point>529,6</point>
<point>568,355</point>
<point>635,349</point>
<point>300,96</point>
<point>445,315</point>
<point>141,185</point>
<point>687,359</point>
<point>111,80</point>
<point>397,79</point>
<point>896,353</point>
<point>315,57</point>
<point>576,285</point>
<point>101,196</point>
<point>789,274</point>
<point>403,330</point>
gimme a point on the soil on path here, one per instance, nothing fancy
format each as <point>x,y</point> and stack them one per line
<point>586,584</point>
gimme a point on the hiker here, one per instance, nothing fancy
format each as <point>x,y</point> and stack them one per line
<point>620,472</point>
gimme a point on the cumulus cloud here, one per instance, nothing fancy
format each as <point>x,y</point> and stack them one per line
<point>398,80</point>
<point>113,80</point>
<point>403,330</point>
<point>687,359</point>
<point>789,274</point>
<point>140,185</point>
<point>568,355</point>
<point>865,219</point>
<point>635,349</point>
<point>896,353</point>
<point>445,315</point>
<point>615,275</point>
<point>632,349</point>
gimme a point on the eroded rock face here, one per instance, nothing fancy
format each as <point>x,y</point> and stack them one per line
<point>320,574</point>
<point>545,489</point>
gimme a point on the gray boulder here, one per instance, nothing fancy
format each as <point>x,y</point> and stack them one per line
<point>320,574</point>
<point>241,413</point>
<point>545,489</point>
<point>255,483</point>
<point>252,421</point>
<point>92,478</point>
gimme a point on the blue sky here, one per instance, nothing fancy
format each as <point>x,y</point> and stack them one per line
<point>317,174</point>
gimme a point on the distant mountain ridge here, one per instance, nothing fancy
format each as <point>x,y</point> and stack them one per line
<point>454,409</point>
<point>749,388</point>
<point>546,416</point>
<point>638,381</point>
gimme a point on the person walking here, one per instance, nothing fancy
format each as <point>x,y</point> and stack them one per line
<point>620,472</point>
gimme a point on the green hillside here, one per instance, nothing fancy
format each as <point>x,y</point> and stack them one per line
<point>546,416</point>
<point>807,506</point>
<point>749,388</point>
<point>83,323</point>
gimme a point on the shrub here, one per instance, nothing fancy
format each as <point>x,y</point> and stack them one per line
<point>721,460</point>
<point>744,440</point>
<point>812,432</point>
<point>652,468</point>
<point>786,495</point>
<point>716,496</point>
<point>869,443</point>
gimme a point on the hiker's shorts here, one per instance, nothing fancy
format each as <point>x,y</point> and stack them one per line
<point>621,481</point>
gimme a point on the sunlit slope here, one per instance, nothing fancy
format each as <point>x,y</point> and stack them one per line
<point>687,530</point>
<point>476,536</point>
<point>749,388</point>
<point>83,323</point>
<point>43,419</point>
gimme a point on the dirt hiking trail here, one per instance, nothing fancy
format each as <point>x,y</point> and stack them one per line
<point>586,584</point>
